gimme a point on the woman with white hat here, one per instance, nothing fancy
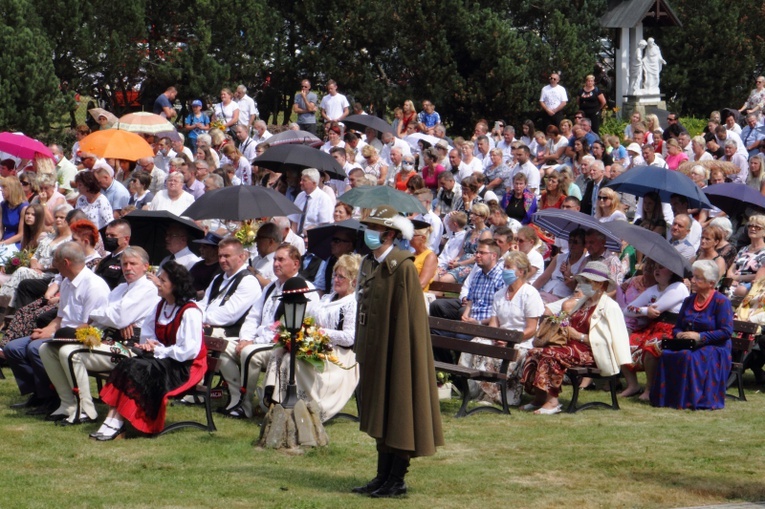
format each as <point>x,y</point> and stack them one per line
<point>597,336</point>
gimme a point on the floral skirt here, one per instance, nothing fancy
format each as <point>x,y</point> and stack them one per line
<point>648,342</point>
<point>545,367</point>
<point>24,322</point>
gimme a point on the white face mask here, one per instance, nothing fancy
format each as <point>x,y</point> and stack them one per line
<point>586,289</point>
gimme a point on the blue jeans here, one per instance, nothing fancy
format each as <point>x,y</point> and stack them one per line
<point>23,356</point>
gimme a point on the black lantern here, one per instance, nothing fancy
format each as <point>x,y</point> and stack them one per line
<point>295,303</point>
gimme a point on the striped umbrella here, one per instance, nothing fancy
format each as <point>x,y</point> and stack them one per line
<point>144,122</point>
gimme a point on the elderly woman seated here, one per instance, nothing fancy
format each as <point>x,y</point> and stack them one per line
<point>597,336</point>
<point>332,387</point>
<point>695,377</point>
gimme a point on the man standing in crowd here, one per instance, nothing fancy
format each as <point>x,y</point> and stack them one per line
<point>334,106</point>
<point>163,105</point>
<point>248,108</point>
<point>553,100</point>
<point>305,107</point>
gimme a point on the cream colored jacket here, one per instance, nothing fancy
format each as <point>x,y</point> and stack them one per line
<point>609,338</point>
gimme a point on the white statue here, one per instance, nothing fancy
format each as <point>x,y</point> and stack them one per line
<point>636,69</point>
<point>652,65</point>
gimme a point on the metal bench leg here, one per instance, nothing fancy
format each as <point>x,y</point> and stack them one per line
<point>613,381</point>
<point>575,381</point>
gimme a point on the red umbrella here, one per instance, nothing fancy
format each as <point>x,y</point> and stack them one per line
<point>23,146</point>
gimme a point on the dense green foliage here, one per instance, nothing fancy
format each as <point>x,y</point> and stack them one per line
<point>477,59</point>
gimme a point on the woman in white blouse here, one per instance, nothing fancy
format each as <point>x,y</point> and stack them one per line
<point>667,294</point>
<point>336,314</point>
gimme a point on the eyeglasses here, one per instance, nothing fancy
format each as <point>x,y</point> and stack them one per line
<point>671,119</point>
<point>754,227</point>
<point>339,276</point>
<point>482,253</point>
<point>553,79</point>
<point>604,198</point>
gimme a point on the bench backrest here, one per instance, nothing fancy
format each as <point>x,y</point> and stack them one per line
<point>744,331</point>
<point>445,341</point>
<point>215,347</point>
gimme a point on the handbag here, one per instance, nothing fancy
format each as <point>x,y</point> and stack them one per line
<point>675,345</point>
<point>550,333</point>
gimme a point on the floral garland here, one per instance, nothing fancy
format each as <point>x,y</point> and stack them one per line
<point>18,260</point>
<point>89,336</point>
<point>313,344</point>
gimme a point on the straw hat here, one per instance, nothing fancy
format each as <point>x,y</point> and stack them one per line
<point>596,271</point>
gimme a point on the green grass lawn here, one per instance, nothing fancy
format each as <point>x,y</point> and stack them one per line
<point>637,457</point>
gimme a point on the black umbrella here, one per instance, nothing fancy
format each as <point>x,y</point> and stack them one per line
<point>237,203</point>
<point>320,238</point>
<point>360,122</point>
<point>732,198</point>
<point>561,222</point>
<point>652,245</point>
<point>148,229</point>
<point>644,179</point>
<point>299,157</point>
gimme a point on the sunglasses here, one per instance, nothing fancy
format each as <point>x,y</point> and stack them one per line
<point>604,198</point>
<point>24,183</point>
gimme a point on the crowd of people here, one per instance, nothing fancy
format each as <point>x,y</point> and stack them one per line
<point>480,194</point>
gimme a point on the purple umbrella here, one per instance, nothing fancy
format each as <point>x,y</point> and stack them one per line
<point>732,198</point>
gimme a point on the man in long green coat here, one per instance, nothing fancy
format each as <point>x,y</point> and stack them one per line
<point>399,398</point>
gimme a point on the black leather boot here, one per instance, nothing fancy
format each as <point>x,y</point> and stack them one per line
<point>394,485</point>
<point>384,464</point>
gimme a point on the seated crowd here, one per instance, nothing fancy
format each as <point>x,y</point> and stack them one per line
<point>480,195</point>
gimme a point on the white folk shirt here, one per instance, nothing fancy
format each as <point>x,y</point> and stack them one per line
<point>257,324</point>
<point>264,265</point>
<point>128,304</point>
<point>219,314</point>
<point>188,339</point>
<point>80,296</point>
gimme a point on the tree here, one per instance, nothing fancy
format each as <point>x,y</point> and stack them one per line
<point>713,58</point>
<point>30,99</point>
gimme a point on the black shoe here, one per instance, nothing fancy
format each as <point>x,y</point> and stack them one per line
<point>32,401</point>
<point>373,485</point>
<point>235,413</point>
<point>66,422</point>
<point>391,488</point>
<point>55,417</point>
<point>47,407</point>
<point>119,434</point>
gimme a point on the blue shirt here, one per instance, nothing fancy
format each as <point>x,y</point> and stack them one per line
<point>429,119</point>
<point>161,103</point>
<point>191,120</point>
<point>118,196</point>
<point>482,290</point>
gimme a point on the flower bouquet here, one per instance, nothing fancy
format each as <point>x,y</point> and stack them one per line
<point>89,336</point>
<point>247,233</point>
<point>218,124</point>
<point>17,260</point>
<point>312,343</point>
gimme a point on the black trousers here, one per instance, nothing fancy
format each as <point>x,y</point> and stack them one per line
<point>29,290</point>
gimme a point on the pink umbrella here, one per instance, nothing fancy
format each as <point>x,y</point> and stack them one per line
<point>23,146</point>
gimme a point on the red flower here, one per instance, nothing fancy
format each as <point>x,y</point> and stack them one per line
<point>15,261</point>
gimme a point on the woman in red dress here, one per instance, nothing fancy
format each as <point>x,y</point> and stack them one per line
<point>172,358</point>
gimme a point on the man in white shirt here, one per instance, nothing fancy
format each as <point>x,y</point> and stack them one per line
<point>678,236</point>
<point>334,106</point>
<point>741,162</point>
<point>247,146</point>
<point>231,293</point>
<point>553,100</point>
<point>248,108</point>
<point>177,242</point>
<point>267,240</point>
<point>482,148</point>
<point>390,142</point>
<point>316,204</point>
<point>177,148</point>
<point>261,133</point>
<point>525,166</point>
<point>161,154</point>
<point>425,196</point>
<point>287,234</point>
<point>173,199</point>
<point>121,316</point>
<point>253,349</point>
<point>81,292</point>
<point>651,158</point>
<point>722,134</point>
<point>680,207</point>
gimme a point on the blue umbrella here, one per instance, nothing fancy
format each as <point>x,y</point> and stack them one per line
<point>732,198</point>
<point>562,222</point>
<point>644,179</point>
<point>652,245</point>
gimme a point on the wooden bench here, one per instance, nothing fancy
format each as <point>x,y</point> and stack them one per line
<point>442,336</point>
<point>444,288</point>
<point>742,343</point>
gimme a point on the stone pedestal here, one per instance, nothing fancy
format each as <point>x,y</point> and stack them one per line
<point>644,103</point>
<point>291,428</point>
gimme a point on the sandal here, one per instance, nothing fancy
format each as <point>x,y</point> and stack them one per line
<point>530,407</point>
<point>548,411</point>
